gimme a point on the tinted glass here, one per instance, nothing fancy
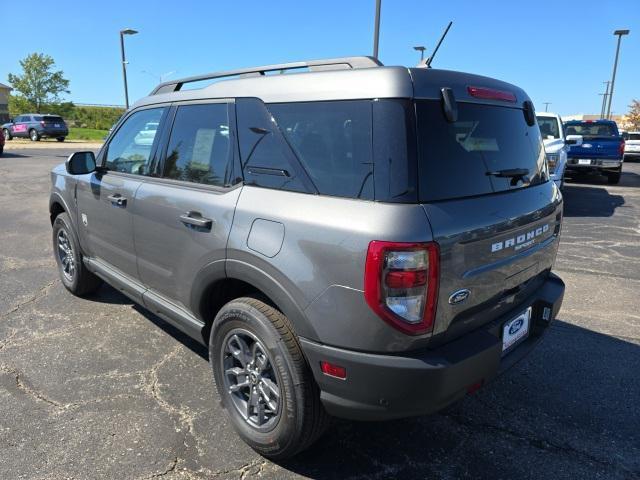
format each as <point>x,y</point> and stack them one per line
<point>592,129</point>
<point>37,118</point>
<point>464,158</point>
<point>267,159</point>
<point>333,142</point>
<point>549,127</point>
<point>634,136</point>
<point>52,119</point>
<point>130,149</point>
<point>199,145</point>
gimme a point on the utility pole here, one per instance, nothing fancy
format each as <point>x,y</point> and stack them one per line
<point>546,106</point>
<point>619,34</point>
<point>604,98</point>
<point>376,31</point>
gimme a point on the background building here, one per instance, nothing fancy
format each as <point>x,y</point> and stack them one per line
<point>4,103</point>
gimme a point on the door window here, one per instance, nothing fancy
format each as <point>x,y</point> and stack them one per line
<point>131,148</point>
<point>199,146</point>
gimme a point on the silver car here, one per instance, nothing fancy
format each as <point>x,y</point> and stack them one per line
<point>348,239</point>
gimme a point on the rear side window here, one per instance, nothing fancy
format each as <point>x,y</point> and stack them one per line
<point>333,142</point>
<point>199,146</point>
<point>267,159</point>
<point>467,157</point>
<point>592,129</point>
<point>37,118</point>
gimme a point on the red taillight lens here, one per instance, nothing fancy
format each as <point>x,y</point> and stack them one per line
<point>491,94</point>
<point>401,284</point>
<point>621,148</point>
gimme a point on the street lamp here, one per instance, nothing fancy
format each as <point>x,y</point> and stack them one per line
<point>604,98</point>
<point>376,31</point>
<point>619,34</point>
<point>546,106</point>
<point>126,31</point>
<point>420,49</point>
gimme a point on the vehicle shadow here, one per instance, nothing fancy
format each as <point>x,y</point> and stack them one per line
<point>584,201</point>
<point>6,154</point>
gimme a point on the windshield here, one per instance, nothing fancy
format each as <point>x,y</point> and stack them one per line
<point>591,129</point>
<point>52,119</point>
<point>549,127</point>
<point>488,149</point>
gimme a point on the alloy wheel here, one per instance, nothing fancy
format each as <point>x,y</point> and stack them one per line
<point>65,254</point>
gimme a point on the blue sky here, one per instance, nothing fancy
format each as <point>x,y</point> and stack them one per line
<point>558,51</point>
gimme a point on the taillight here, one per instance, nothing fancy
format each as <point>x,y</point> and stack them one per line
<point>401,284</point>
<point>491,94</point>
<point>621,148</point>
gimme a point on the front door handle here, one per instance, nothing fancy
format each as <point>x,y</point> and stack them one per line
<point>195,219</point>
<point>118,200</point>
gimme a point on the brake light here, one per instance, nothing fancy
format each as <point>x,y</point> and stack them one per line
<point>621,148</point>
<point>401,284</point>
<point>491,94</point>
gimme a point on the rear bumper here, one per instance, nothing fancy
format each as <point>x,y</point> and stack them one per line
<point>54,133</point>
<point>383,387</point>
<point>596,165</point>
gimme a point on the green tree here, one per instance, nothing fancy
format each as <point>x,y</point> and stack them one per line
<point>634,114</point>
<point>39,84</point>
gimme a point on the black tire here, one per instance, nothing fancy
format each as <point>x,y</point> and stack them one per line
<point>613,178</point>
<point>1,149</point>
<point>34,135</point>
<point>60,139</point>
<point>7,134</point>
<point>73,273</point>
<point>301,418</point>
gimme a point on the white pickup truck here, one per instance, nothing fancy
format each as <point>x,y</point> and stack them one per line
<point>554,144</point>
<point>632,146</point>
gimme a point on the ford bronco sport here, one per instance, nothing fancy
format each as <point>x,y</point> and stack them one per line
<point>348,239</point>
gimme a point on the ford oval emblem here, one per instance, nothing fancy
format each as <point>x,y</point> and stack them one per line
<point>517,325</point>
<point>459,296</point>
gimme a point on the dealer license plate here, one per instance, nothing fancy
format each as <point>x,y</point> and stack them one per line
<point>584,161</point>
<point>515,330</point>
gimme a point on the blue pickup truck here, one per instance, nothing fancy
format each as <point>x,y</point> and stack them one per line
<point>595,146</point>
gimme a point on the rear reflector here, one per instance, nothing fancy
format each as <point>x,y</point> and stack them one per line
<point>333,370</point>
<point>491,94</point>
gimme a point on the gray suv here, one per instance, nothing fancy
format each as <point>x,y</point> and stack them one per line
<point>348,239</point>
<point>36,126</point>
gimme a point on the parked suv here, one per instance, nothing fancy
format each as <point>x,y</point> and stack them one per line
<point>554,144</point>
<point>35,127</point>
<point>632,146</point>
<point>353,240</point>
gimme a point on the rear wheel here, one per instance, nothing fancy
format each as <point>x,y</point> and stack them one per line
<point>73,273</point>
<point>613,178</point>
<point>60,139</point>
<point>263,379</point>
<point>34,135</point>
<point>7,134</point>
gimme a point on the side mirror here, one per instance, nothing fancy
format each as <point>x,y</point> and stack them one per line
<point>573,140</point>
<point>80,163</point>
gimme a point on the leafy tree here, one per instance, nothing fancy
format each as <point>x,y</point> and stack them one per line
<point>39,84</point>
<point>633,116</point>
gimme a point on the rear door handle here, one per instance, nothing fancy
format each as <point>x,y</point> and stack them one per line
<point>118,200</point>
<point>195,219</point>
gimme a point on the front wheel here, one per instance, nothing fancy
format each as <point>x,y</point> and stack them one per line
<point>34,135</point>
<point>74,274</point>
<point>263,379</point>
<point>7,134</point>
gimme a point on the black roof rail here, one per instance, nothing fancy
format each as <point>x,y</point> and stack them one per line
<point>313,65</point>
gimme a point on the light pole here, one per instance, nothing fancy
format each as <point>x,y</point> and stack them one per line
<point>420,49</point>
<point>604,98</point>
<point>126,31</point>
<point>546,106</point>
<point>619,34</point>
<point>376,31</point>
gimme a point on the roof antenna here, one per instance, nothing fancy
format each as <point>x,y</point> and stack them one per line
<point>427,62</point>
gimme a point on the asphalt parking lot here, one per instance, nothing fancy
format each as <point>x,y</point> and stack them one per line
<point>99,388</point>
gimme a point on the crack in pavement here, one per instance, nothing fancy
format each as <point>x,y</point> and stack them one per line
<point>25,388</point>
<point>41,293</point>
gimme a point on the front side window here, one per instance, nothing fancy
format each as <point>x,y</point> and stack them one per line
<point>333,142</point>
<point>549,127</point>
<point>199,146</point>
<point>130,150</point>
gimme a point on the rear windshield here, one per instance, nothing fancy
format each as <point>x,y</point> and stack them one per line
<point>634,136</point>
<point>591,129</point>
<point>52,119</point>
<point>465,158</point>
<point>549,127</point>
